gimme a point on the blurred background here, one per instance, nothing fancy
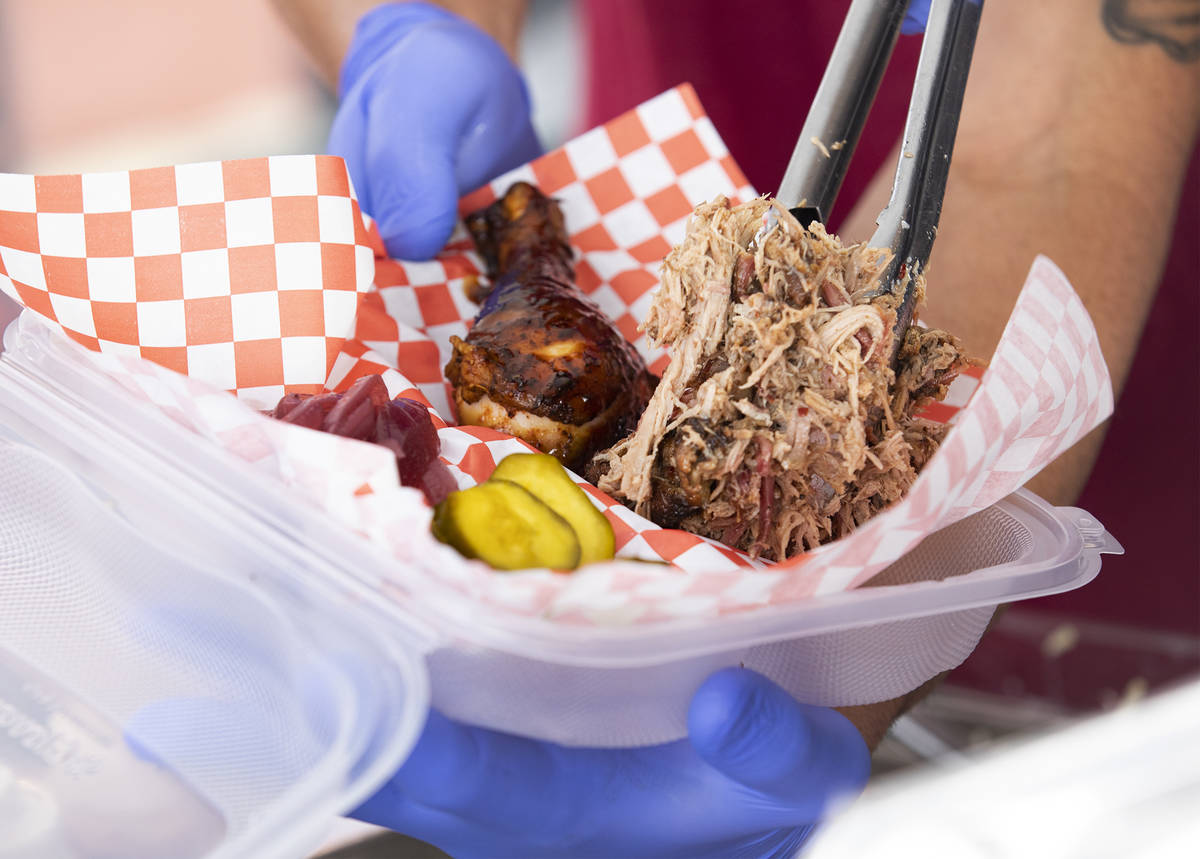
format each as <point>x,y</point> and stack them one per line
<point>110,86</point>
<point>88,87</point>
<point>106,86</point>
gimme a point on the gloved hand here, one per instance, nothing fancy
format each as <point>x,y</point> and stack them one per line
<point>431,107</point>
<point>915,17</point>
<point>757,771</point>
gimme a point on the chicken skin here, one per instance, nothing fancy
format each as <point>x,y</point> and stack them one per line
<point>541,361</point>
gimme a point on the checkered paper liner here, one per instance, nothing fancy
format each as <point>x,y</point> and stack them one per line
<point>262,276</point>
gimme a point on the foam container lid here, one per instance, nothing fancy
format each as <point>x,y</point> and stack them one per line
<point>163,691</point>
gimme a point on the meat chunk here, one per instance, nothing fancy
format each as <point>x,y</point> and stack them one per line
<point>779,423</point>
<point>541,361</point>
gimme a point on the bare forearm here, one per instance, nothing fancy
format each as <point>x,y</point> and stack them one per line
<point>325,27</point>
<point>1073,142</point>
<point>874,720</point>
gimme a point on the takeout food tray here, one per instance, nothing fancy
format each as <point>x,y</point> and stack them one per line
<point>181,572</point>
<point>616,685</point>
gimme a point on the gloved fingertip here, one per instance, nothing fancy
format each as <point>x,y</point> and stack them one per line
<point>421,240</point>
<point>756,733</point>
<point>414,192</point>
<point>727,717</point>
<point>915,17</point>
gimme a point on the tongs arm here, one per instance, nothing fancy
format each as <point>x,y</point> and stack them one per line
<point>839,110</point>
<point>908,224</point>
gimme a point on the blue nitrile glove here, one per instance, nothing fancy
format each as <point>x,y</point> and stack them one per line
<point>915,17</point>
<point>431,107</point>
<point>755,775</point>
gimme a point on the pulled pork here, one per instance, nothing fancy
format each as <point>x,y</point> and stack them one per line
<point>779,423</point>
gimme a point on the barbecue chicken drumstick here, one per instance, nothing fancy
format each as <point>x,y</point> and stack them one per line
<point>541,361</point>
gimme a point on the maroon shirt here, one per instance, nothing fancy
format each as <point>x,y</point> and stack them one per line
<point>755,67</point>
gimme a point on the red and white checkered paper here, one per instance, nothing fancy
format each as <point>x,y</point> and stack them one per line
<point>259,277</point>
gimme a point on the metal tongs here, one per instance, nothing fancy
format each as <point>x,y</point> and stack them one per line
<point>908,224</point>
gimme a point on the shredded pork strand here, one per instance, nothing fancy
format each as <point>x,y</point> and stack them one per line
<point>779,423</point>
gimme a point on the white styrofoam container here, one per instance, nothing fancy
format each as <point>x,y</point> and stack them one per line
<point>158,698</point>
<point>407,642</point>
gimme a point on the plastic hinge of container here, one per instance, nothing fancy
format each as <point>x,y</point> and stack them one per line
<point>1093,534</point>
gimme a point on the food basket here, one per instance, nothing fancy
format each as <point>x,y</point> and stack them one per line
<point>150,568</point>
<point>625,685</point>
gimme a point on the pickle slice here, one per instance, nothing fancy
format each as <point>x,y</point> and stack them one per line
<point>504,525</point>
<point>545,477</point>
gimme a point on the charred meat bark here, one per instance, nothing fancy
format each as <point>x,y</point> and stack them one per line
<point>541,361</point>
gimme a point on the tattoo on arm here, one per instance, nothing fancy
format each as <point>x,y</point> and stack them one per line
<point>1174,25</point>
